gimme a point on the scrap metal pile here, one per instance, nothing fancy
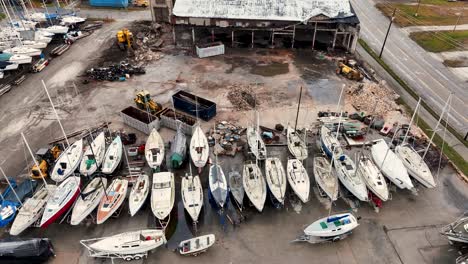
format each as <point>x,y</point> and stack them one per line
<point>115,72</point>
<point>369,96</point>
<point>242,97</point>
<point>149,41</point>
<point>226,138</point>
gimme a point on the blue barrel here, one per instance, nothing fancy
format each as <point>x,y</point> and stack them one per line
<point>109,3</point>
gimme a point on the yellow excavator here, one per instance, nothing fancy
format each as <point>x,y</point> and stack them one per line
<point>124,39</point>
<point>45,157</point>
<point>144,102</point>
<point>349,71</point>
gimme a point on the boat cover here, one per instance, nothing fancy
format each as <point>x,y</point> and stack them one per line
<point>23,190</point>
<point>33,250</point>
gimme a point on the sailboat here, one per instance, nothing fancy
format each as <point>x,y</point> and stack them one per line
<point>162,194</point>
<point>178,148</point>
<point>154,149</point>
<point>236,188</point>
<point>329,143</point>
<point>34,44</point>
<point>139,193</point>
<point>56,29</point>
<point>68,161</point>
<point>22,50</point>
<point>217,183</point>
<point>71,20</point>
<point>256,144</point>
<point>368,171</point>
<point>62,199</point>
<point>457,231</point>
<point>20,59</point>
<point>333,226</point>
<point>326,177</point>
<point>298,179</point>
<point>32,209</point>
<point>254,185</point>
<point>199,148</point>
<point>113,156</point>
<point>192,195</point>
<point>346,171</point>
<point>93,155</point>
<point>276,178</point>
<point>88,200</point>
<point>112,200</point>
<point>390,165</point>
<point>296,144</point>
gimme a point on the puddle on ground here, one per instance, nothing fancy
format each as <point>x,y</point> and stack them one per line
<point>182,230</point>
<point>271,69</point>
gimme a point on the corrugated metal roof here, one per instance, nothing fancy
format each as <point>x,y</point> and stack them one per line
<point>285,10</point>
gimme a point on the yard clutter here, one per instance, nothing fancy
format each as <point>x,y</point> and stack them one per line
<point>242,97</point>
<point>226,138</point>
<point>372,98</point>
<point>148,42</point>
<point>115,72</point>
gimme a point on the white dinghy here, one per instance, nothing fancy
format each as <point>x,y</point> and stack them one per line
<point>92,158</point>
<point>375,181</point>
<point>88,200</point>
<point>276,178</point>
<point>196,245</point>
<point>192,195</point>
<point>296,144</point>
<point>154,149</point>
<point>68,161</point>
<point>332,226</point>
<point>346,171</point>
<point>138,194</point>
<point>199,148</point>
<point>298,179</point>
<point>254,185</point>
<point>112,200</point>
<point>113,156</point>
<point>326,177</point>
<point>162,194</point>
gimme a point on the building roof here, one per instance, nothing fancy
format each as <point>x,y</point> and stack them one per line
<point>284,10</point>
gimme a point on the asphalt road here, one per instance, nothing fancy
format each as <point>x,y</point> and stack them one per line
<point>424,73</point>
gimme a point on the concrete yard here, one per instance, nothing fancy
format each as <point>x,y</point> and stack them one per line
<point>405,230</point>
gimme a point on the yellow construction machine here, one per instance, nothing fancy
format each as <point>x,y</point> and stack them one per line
<point>124,39</point>
<point>45,157</point>
<point>349,71</point>
<point>144,102</point>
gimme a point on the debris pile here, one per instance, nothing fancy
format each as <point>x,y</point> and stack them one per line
<point>376,99</point>
<point>227,138</point>
<point>115,72</point>
<point>148,42</point>
<point>242,97</point>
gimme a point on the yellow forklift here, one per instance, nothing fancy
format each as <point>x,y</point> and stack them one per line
<point>45,158</point>
<point>124,39</point>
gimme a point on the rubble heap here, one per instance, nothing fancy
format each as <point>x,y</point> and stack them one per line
<point>242,97</point>
<point>114,72</point>
<point>148,42</point>
<point>369,96</point>
<point>227,137</point>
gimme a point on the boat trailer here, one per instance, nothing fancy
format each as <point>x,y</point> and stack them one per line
<point>320,240</point>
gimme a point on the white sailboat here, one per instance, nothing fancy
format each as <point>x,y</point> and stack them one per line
<point>276,178</point>
<point>192,195</point>
<point>217,183</point>
<point>112,200</point>
<point>236,188</point>
<point>32,210</point>
<point>162,194</point>
<point>298,179</point>
<point>332,226</point>
<point>255,141</point>
<point>254,185</point>
<point>71,20</point>
<point>34,44</point>
<point>390,165</point>
<point>22,50</point>
<point>154,149</point>
<point>138,194</point>
<point>56,29</point>
<point>62,199</point>
<point>296,144</point>
<point>68,161</point>
<point>199,149</point>
<point>20,59</point>
<point>375,181</point>
<point>88,200</point>
<point>326,177</point>
<point>113,156</point>
<point>42,38</point>
<point>346,171</point>
<point>330,144</point>
<point>93,158</point>
<point>196,245</point>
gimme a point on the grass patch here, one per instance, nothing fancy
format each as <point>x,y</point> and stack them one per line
<point>2,16</point>
<point>458,160</point>
<point>434,14</point>
<point>456,63</point>
<point>440,41</point>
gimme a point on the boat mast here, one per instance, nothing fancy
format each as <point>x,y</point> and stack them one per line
<point>388,150</point>
<point>12,189</point>
<point>97,167</point>
<point>338,128</point>
<point>55,111</point>
<point>35,163</point>
<point>298,107</point>
<point>411,122</point>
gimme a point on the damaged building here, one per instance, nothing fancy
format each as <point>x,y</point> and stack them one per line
<point>313,24</point>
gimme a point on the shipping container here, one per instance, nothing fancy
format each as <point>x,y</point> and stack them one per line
<point>186,122</point>
<point>140,120</point>
<point>109,3</point>
<point>186,102</point>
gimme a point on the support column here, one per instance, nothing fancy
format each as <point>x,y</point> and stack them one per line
<point>354,43</point>
<point>193,36</point>
<point>293,36</point>
<point>349,42</point>
<point>273,38</point>
<point>232,38</point>
<point>212,35</point>
<point>174,35</point>
<point>253,34</point>
<point>315,33</point>
<point>334,39</point>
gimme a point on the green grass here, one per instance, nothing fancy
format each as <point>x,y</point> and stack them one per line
<point>437,41</point>
<point>456,158</point>
<point>2,16</point>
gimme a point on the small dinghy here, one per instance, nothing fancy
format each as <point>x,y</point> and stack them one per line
<point>346,171</point>
<point>236,188</point>
<point>276,178</point>
<point>68,161</point>
<point>326,178</point>
<point>333,226</point>
<point>296,144</point>
<point>256,144</point>
<point>196,245</point>
<point>162,194</point>
<point>415,165</point>
<point>113,156</point>
<point>298,179</point>
<point>178,149</point>
<point>375,181</point>
<point>329,143</point>
<point>154,149</point>
<point>138,194</point>
<point>8,211</point>
<point>218,185</point>
<point>62,199</point>
<point>112,200</point>
<point>93,158</point>
<point>254,185</point>
<point>199,148</point>
<point>457,231</point>
<point>390,165</point>
<point>88,200</point>
<point>32,209</point>
<point>192,195</point>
